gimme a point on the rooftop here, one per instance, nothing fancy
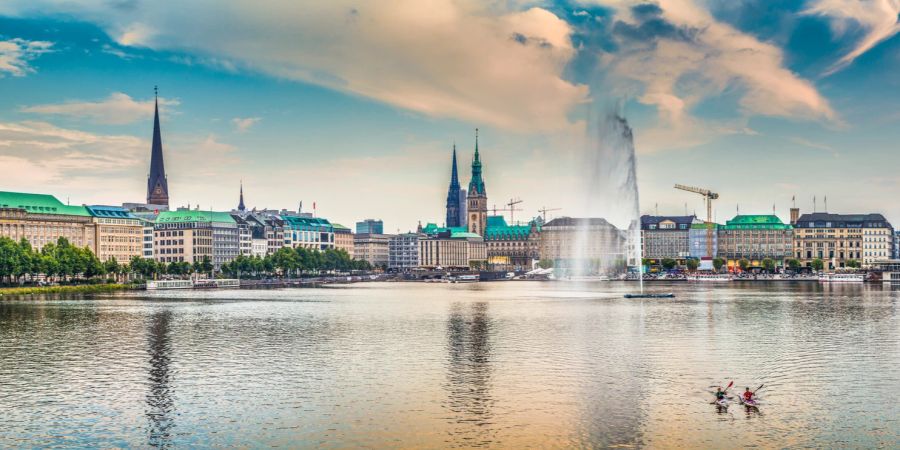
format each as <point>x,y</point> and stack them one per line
<point>497,229</point>
<point>756,222</point>
<point>828,220</point>
<point>112,212</point>
<point>39,204</point>
<point>182,216</point>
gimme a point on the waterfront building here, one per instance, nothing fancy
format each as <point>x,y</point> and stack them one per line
<point>838,238</point>
<point>372,247</point>
<point>450,248</point>
<point>118,233</point>
<point>697,239</point>
<point>157,183</point>
<point>41,219</point>
<point>147,237</point>
<point>512,247</point>
<point>583,242</point>
<point>343,238</point>
<point>476,196</point>
<point>245,235</point>
<point>453,196</point>
<point>403,251</point>
<point>755,238</point>
<point>191,235</point>
<point>896,244</point>
<point>666,237</point>
<point>370,226</point>
<point>308,232</point>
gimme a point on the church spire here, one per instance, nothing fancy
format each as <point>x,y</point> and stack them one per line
<point>241,206</point>
<point>157,185</point>
<point>476,186</point>
<point>453,195</point>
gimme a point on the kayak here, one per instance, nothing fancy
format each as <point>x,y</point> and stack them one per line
<point>749,403</point>
<point>723,402</point>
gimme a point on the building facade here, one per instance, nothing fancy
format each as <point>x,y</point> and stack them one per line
<point>374,248</point>
<point>370,226</point>
<point>755,238</point>
<point>838,238</point>
<point>512,247</point>
<point>403,251</point>
<point>42,219</point>
<point>343,238</point>
<point>697,238</point>
<point>476,209</point>
<point>666,237</point>
<point>192,235</point>
<point>313,233</point>
<point>119,234</point>
<point>443,252</point>
<point>584,244</point>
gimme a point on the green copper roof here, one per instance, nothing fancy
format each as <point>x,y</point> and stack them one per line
<point>338,226</point>
<point>703,226</point>
<point>497,229</point>
<point>39,204</point>
<point>432,228</point>
<point>756,222</point>
<point>463,234</point>
<point>194,216</point>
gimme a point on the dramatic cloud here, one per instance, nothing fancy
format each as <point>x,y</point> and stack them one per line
<point>117,109</point>
<point>16,54</point>
<point>243,124</point>
<point>879,20</point>
<point>446,58</point>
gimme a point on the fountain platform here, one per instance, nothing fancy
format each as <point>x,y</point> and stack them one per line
<point>649,295</point>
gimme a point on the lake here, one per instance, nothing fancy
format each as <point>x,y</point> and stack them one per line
<point>416,365</point>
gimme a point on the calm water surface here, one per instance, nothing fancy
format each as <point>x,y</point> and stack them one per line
<point>508,365</point>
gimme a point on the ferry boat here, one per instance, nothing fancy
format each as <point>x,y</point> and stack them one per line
<point>155,285</point>
<point>842,278</point>
<point>469,278</point>
<point>715,277</point>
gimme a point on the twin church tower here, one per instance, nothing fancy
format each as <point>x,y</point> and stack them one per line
<point>467,209</point>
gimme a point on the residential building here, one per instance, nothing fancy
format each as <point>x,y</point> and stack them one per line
<point>157,183</point>
<point>191,235</point>
<point>308,232</point>
<point>343,238</point>
<point>42,219</point>
<point>512,247</point>
<point>666,237</point>
<point>838,238</point>
<point>403,251</point>
<point>245,235</point>
<point>370,226</point>
<point>755,238</point>
<point>591,244</point>
<point>476,197</point>
<point>372,247</point>
<point>118,233</point>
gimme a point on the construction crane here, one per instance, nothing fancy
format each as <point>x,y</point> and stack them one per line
<point>709,196</point>
<point>512,209</point>
<point>544,210</point>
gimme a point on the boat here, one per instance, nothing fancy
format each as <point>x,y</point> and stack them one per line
<point>716,277</point>
<point>469,278</point>
<point>155,285</point>
<point>722,402</point>
<point>749,403</point>
<point>654,295</point>
<point>842,278</point>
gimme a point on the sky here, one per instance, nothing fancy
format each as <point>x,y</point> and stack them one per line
<point>356,105</point>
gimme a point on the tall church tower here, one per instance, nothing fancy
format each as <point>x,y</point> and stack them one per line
<point>157,185</point>
<point>453,194</point>
<point>241,206</point>
<point>477,196</point>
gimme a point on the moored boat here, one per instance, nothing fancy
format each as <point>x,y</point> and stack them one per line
<point>716,277</point>
<point>842,278</point>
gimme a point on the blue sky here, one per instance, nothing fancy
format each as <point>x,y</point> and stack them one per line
<point>355,105</point>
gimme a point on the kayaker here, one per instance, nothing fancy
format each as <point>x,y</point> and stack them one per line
<point>720,394</point>
<point>748,395</point>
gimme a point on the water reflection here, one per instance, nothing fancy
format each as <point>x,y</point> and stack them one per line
<point>160,405</point>
<point>468,385</point>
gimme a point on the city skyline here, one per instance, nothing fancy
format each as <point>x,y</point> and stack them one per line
<point>810,116</point>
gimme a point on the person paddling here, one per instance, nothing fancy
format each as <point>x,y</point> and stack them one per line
<point>748,395</point>
<point>720,393</point>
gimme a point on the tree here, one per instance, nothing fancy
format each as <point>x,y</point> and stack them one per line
<point>545,264</point>
<point>817,264</point>
<point>668,263</point>
<point>853,264</point>
<point>718,263</point>
<point>744,264</point>
<point>769,264</point>
<point>692,264</point>
<point>793,264</point>
<point>111,266</point>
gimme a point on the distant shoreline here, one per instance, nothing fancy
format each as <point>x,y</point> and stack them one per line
<point>74,289</point>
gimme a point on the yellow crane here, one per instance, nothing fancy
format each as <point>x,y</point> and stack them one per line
<point>709,196</point>
<point>512,209</point>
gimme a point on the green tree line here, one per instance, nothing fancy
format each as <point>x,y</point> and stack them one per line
<point>292,262</point>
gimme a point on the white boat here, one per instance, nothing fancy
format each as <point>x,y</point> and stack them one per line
<point>155,285</point>
<point>469,278</point>
<point>716,277</point>
<point>842,278</point>
<point>169,284</point>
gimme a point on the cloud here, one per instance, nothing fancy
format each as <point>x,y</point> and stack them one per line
<point>878,19</point>
<point>115,51</point>
<point>16,54</point>
<point>445,58</point>
<point>117,109</point>
<point>243,124</point>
